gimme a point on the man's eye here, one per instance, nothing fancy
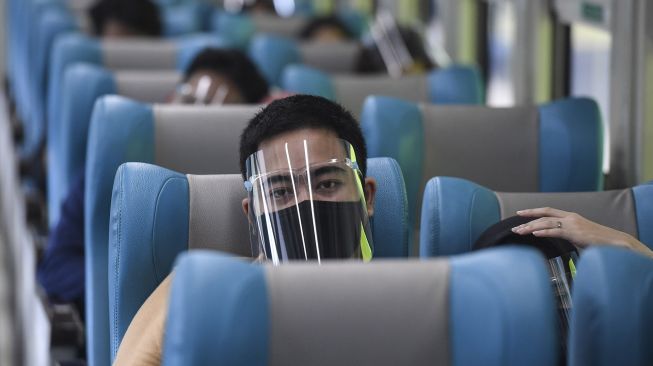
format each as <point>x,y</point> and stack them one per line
<point>280,193</point>
<point>329,185</point>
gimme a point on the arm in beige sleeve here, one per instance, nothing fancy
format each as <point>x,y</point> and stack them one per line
<point>143,342</point>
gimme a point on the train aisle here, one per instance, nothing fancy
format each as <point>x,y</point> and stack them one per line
<point>27,340</point>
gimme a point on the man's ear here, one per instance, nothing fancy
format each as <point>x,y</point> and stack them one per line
<point>370,194</point>
<point>246,207</point>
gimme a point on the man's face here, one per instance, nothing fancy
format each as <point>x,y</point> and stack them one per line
<point>307,198</point>
<point>210,87</point>
<point>115,29</point>
<point>329,178</point>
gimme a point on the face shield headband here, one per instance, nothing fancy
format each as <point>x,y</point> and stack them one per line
<point>307,202</point>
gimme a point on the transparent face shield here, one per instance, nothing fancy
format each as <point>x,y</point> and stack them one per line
<point>563,270</point>
<point>208,91</point>
<point>307,202</point>
<point>391,45</point>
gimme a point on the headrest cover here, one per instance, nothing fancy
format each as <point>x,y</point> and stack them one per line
<point>501,234</point>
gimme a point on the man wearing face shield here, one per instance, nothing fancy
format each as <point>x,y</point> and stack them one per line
<point>308,198</point>
<point>303,162</point>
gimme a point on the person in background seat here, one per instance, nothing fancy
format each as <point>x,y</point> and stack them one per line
<point>222,76</point>
<point>125,18</point>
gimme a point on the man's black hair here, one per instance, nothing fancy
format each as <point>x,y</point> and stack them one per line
<point>297,112</point>
<point>326,21</point>
<point>234,65</point>
<point>142,16</point>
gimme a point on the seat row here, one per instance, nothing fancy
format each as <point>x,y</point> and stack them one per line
<point>82,84</point>
<point>156,214</point>
<point>489,308</point>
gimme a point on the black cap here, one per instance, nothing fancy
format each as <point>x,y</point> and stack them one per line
<point>501,234</point>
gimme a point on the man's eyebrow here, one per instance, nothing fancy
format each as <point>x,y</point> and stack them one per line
<point>327,170</point>
<point>282,177</point>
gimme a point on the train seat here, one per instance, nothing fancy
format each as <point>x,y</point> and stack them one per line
<point>132,54</point>
<point>555,147</point>
<point>173,136</point>
<point>456,211</point>
<point>273,53</point>
<point>157,213</point>
<point>83,84</point>
<point>611,322</point>
<point>451,85</point>
<point>465,310</point>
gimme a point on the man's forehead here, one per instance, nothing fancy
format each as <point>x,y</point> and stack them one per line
<point>320,145</point>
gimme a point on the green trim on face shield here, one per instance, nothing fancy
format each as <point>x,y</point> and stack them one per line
<point>366,250</point>
<point>572,268</point>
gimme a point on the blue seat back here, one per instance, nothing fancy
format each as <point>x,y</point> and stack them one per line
<point>452,85</point>
<point>611,321</point>
<point>560,149</point>
<point>176,137</point>
<point>455,212</point>
<point>224,310</point>
<point>83,84</point>
<point>52,19</point>
<point>272,53</point>
<point>154,220</point>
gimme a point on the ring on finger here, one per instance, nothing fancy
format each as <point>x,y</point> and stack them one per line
<point>558,225</point>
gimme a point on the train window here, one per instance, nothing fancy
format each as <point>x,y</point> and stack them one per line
<point>501,43</point>
<point>590,73</point>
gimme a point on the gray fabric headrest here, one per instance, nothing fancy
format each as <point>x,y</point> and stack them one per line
<point>494,147</point>
<point>147,86</point>
<point>351,90</point>
<point>615,209</point>
<point>396,316</point>
<point>144,54</point>
<point>289,27</point>
<point>333,57</point>
<point>216,217</point>
<point>200,140</point>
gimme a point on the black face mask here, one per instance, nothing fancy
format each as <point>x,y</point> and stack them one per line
<point>338,227</point>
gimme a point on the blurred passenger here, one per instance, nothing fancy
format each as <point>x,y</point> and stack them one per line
<point>220,76</point>
<point>373,60</point>
<point>61,270</point>
<point>319,147</point>
<point>125,18</point>
<point>227,77</point>
<point>326,29</point>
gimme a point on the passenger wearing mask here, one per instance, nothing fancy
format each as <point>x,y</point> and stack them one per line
<point>125,18</point>
<point>395,49</point>
<point>226,77</point>
<point>222,76</point>
<point>303,162</point>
